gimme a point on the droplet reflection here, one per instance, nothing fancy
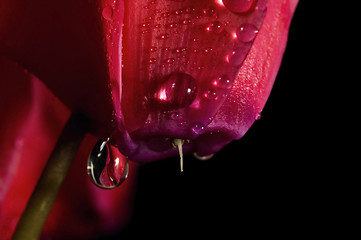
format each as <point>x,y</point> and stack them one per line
<point>107,167</point>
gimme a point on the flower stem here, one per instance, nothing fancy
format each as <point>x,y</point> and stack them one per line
<point>39,205</point>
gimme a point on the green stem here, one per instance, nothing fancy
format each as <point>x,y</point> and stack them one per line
<point>39,205</point>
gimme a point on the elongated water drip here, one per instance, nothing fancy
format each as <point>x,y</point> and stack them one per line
<point>179,144</point>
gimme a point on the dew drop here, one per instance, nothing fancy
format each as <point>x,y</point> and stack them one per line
<point>237,56</point>
<point>211,94</point>
<point>186,21</point>
<point>209,12</point>
<point>198,128</point>
<point>107,167</point>
<point>174,115</point>
<point>222,81</point>
<point>144,25</point>
<point>176,90</point>
<point>239,6</point>
<point>153,49</point>
<point>215,27</point>
<point>258,116</point>
<point>261,5</point>
<point>178,12</point>
<point>107,13</point>
<point>164,36</point>
<point>172,25</point>
<point>169,60</point>
<point>246,32</point>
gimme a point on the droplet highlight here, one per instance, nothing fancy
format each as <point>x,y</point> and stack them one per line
<point>107,167</point>
<point>203,158</point>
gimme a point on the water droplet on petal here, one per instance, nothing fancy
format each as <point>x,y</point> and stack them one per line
<point>176,90</point>
<point>107,167</point>
<point>215,27</point>
<point>198,128</point>
<point>223,81</point>
<point>209,12</point>
<point>107,13</point>
<point>211,94</point>
<point>261,5</point>
<point>237,56</point>
<point>239,6</point>
<point>247,32</point>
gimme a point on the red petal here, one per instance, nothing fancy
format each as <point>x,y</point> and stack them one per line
<point>256,76</point>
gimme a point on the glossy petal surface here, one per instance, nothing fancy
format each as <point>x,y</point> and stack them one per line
<point>117,62</point>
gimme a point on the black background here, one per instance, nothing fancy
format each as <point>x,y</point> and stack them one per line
<point>275,181</point>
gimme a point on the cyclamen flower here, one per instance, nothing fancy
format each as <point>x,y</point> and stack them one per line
<point>147,74</point>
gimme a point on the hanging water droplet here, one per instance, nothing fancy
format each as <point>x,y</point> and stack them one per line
<point>107,13</point>
<point>246,32</point>
<point>107,167</point>
<point>239,6</point>
<point>203,158</point>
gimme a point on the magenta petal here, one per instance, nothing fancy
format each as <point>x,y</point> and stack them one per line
<point>117,62</point>
<point>226,104</point>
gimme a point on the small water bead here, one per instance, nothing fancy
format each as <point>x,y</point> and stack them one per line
<point>145,25</point>
<point>237,56</point>
<point>170,60</point>
<point>209,12</point>
<point>246,32</point>
<point>186,21</point>
<point>261,5</point>
<point>222,81</point>
<point>179,50</point>
<point>239,6</point>
<point>198,128</point>
<point>164,36</point>
<point>211,94</point>
<point>174,115</point>
<point>215,27</point>
<point>107,167</point>
<point>107,13</point>
<point>172,25</point>
<point>178,12</point>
